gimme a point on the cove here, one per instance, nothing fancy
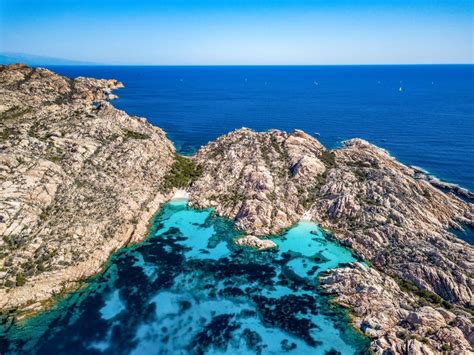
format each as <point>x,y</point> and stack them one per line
<point>189,289</point>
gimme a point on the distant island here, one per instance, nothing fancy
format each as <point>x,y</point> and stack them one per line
<point>38,60</point>
<point>81,179</point>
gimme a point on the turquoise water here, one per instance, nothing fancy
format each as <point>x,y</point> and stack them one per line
<point>189,289</point>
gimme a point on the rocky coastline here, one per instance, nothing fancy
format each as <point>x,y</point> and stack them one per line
<point>80,179</point>
<point>420,173</point>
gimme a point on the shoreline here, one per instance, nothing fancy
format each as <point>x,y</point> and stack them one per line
<point>284,178</point>
<point>458,190</point>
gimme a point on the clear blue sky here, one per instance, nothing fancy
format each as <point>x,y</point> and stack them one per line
<point>241,32</point>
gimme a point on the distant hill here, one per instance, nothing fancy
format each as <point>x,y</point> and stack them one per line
<point>36,60</point>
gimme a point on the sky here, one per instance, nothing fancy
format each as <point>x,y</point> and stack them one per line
<point>224,32</point>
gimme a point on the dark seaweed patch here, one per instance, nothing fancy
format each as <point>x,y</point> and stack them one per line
<point>284,313</point>
<point>253,340</point>
<point>243,277</point>
<point>217,333</point>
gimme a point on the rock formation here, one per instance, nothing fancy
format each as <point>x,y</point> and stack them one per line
<point>266,182</point>
<point>399,322</point>
<point>255,242</point>
<point>261,180</point>
<point>78,180</point>
<point>370,202</point>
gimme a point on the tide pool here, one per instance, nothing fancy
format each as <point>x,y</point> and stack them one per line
<point>189,289</point>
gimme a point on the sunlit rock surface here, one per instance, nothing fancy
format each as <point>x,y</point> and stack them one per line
<point>255,242</point>
<point>372,203</point>
<point>268,181</point>
<point>78,180</point>
<point>398,321</point>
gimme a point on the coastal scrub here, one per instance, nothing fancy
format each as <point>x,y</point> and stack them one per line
<point>182,173</point>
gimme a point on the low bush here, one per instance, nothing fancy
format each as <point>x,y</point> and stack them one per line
<point>135,135</point>
<point>182,173</point>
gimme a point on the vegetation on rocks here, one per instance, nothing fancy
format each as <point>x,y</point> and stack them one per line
<point>182,173</point>
<point>63,164</point>
<point>423,294</point>
<point>328,158</point>
<point>129,134</point>
<point>373,204</point>
<point>78,159</point>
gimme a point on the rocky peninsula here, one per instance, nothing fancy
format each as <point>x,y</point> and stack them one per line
<point>80,179</point>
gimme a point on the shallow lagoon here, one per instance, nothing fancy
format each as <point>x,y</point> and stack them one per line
<point>189,289</point>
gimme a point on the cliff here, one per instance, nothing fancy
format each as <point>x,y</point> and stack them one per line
<point>78,180</point>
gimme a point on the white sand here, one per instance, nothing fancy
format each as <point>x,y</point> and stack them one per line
<point>180,195</point>
<point>307,216</point>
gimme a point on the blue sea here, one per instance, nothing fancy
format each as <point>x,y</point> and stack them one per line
<point>422,114</point>
<point>188,288</point>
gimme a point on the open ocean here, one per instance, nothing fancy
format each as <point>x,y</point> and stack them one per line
<point>422,114</point>
<point>188,288</point>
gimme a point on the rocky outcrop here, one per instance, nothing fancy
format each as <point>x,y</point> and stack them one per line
<point>255,242</point>
<point>399,322</point>
<point>268,181</point>
<point>78,180</point>
<point>397,222</point>
<point>420,173</point>
<point>258,179</point>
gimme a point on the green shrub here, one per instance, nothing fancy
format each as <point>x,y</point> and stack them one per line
<point>45,214</point>
<point>6,133</point>
<point>9,283</point>
<point>360,174</point>
<point>53,158</point>
<point>182,173</point>
<point>446,347</point>
<point>328,158</point>
<point>40,267</point>
<point>425,295</point>
<point>20,279</point>
<point>134,135</point>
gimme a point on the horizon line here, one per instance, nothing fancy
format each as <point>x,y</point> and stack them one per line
<point>232,65</point>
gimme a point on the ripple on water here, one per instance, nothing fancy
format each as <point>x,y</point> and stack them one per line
<point>189,289</point>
